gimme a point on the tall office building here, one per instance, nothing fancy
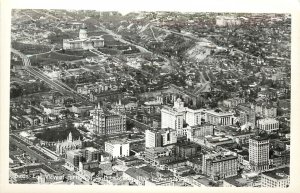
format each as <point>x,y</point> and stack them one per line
<point>259,153</point>
<point>107,123</point>
<point>175,117</point>
<point>73,158</point>
<point>193,117</point>
<point>92,154</point>
<point>160,137</point>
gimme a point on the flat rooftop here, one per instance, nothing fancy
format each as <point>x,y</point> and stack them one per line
<point>278,174</point>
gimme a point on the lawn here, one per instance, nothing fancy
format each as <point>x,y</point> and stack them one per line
<point>30,48</point>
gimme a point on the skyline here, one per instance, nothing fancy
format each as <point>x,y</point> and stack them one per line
<point>189,57</point>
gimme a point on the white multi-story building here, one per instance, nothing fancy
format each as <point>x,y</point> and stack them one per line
<point>174,117</point>
<point>268,124</point>
<point>160,137</point>
<point>117,148</point>
<point>259,148</point>
<point>193,117</point>
<point>83,41</point>
<point>219,118</point>
<point>279,178</point>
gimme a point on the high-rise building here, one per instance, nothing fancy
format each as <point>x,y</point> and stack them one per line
<point>74,157</point>
<point>117,148</point>
<point>259,153</point>
<point>175,117</point>
<point>92,154</point>
<point>107,123</point>
<point>193,117</point>
<point>160,137</point>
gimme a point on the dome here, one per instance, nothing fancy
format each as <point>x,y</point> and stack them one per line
<point>83,26</point>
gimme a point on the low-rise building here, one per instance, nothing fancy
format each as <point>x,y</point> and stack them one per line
<point>159,155</point>
<point>233,102</point>
<point>219,166</point>
<point>217,117</point>
<point>268,124</point>
<point>279,178</point>
<point>199,131</point>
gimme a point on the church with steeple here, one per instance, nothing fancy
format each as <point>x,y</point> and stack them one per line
<point>69,144</point>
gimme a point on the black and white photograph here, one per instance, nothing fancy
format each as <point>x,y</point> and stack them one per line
<point>149,96</point>
<point>195,99</point>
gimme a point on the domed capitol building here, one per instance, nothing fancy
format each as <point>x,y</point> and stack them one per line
<point>83,41</point>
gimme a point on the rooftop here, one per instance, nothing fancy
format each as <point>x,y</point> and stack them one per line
<point>91,149</point>
<point>278,174</point>
<point>237,181</point>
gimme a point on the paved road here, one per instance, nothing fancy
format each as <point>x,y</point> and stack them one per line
<point>56,84</point>
<point>182,34</point>
<point>119,38</point>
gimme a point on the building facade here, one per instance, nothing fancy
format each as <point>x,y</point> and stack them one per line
<point>83,41</point>
<point>92,154</point>
<point>200,131</point>
<point>279,178</point>
<point>117,148</point>
<point>175,117</point>
<point>219,166</point>
<point>107,123</point>
<point>219,118</point>
<point>67,145</point>
<point>160,137</point>
<point>259,153</point>
<point>268,124</point>
<point>74,157</point>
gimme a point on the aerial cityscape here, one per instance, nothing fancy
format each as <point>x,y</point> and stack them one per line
<point>150,98</point>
